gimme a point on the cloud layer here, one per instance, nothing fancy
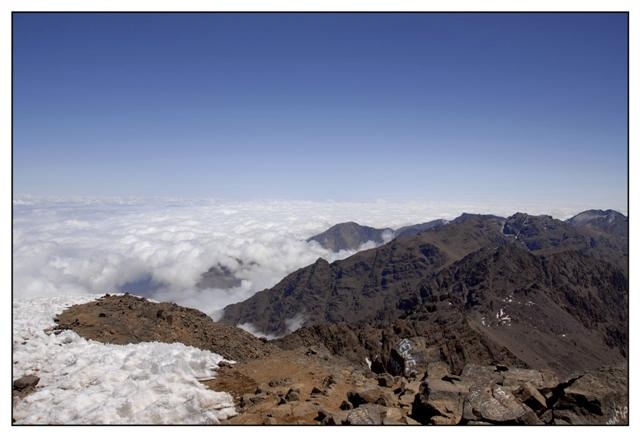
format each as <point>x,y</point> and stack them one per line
<point>79,246</point>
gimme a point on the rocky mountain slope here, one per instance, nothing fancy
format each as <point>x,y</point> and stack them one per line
<point>410,231</point>
<point>537,287</point>
<point>610,222</point>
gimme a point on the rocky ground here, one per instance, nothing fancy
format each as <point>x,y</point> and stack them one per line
<point>123,319</point>
<point>308,384</point>
<point>310,387</point>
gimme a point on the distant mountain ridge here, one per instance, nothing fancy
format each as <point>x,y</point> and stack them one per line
<point>504,279</point>
<point>350,236</point>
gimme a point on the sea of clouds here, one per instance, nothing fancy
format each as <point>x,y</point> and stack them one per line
<point>77,246</point>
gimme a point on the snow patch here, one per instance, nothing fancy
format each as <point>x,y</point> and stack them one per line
<point>503,318</point>
<point>88,382</point>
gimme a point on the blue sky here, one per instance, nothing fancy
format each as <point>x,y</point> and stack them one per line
<point>444,107</point>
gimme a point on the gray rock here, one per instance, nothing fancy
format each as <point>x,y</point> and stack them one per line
<point>292,395</point>
<point>26,383</point>
<point>366,414</point>
<point>495,404</point>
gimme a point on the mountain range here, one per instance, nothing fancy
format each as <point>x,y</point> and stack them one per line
<point>530,290</point>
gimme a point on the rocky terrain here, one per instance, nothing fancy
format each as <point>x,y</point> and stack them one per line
<point>311,386</point>
<point>297,380</point>
<point>124,319</point>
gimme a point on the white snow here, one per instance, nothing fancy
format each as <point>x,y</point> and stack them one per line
<point>87,382</point>
<point>503,318</point>
<point>368,361</point>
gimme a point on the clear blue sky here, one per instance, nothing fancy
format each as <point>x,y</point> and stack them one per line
<point>444,107</point>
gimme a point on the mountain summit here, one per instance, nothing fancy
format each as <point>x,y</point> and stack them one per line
<point>350,236</point>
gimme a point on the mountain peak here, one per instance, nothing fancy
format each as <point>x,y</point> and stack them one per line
<point>350,236</point>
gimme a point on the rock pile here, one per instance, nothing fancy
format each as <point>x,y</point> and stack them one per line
<point>499,395</point>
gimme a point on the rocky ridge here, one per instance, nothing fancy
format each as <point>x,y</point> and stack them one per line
<point>289,382</point>
<point>124,319</point>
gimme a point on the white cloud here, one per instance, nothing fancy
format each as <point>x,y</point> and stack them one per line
<point>83,245</point>
<point>294,323</point>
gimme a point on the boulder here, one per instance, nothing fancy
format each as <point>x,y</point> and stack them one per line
<point>326,417</point>
<point>315,391</point>
<point>595,398</point>
<point>346,405</point>
<point>393,416</point>
<point>385,380</point>
<point>437,370</point>
<point>531,397</point>
<point>26,383</point>
<point>367,414</point>
<point>409,421</point>
<point>292,395</point>
<point>440,402</point>
<point>495,404</point>
<point>410,356</point>
<point>481,375</point>
<point>371,395</point>
<point>543,380</point>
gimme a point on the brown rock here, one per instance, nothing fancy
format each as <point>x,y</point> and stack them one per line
<point>543,380</point>
<point>481,375</point>
<point>530,396</point>
<point>440,402</point>
<point>346,405</point>
<point>26,383</point>
<point>437,370</point>
<point>371,395</point>
<point>385,380</point>
<point>597,397</point>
